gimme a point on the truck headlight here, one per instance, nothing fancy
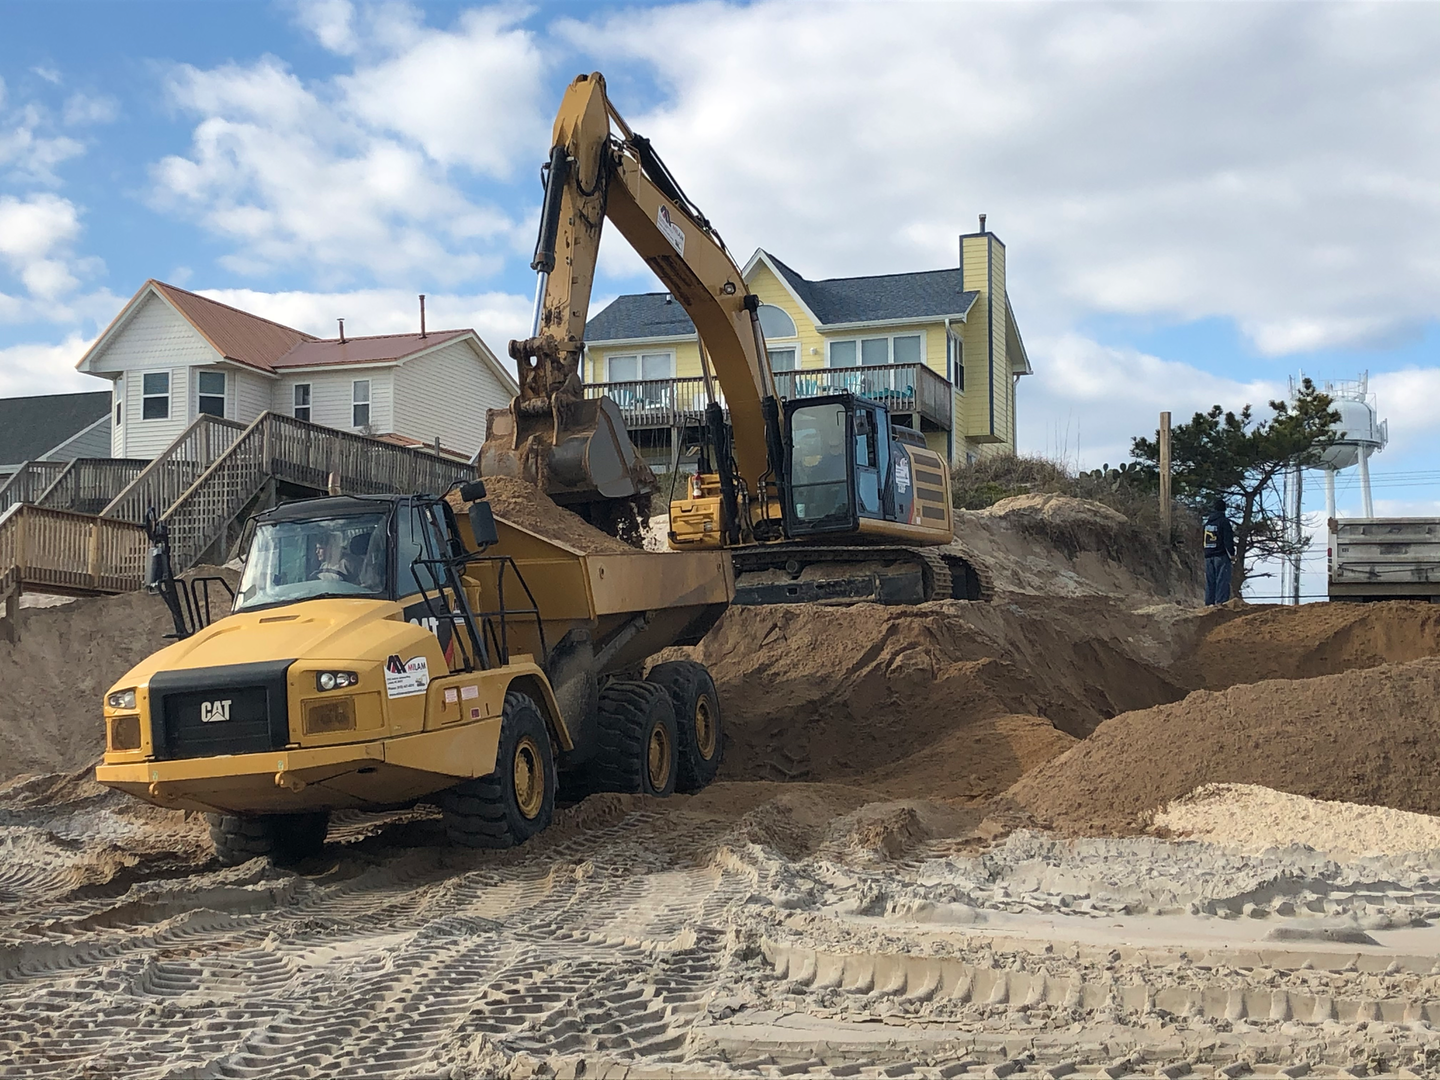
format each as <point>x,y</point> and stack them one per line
<point>121,699</point>
<point>335,680</point>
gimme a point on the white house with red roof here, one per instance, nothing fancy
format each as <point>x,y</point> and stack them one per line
<point>173,355</point>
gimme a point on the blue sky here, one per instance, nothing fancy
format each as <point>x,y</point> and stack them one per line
<point>1198,201</point>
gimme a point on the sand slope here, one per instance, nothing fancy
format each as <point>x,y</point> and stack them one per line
<point>1364,736</point>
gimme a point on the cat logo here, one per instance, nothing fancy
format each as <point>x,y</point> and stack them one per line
<point>213,712</point>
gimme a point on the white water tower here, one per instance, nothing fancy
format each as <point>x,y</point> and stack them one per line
<point>1361,433</point>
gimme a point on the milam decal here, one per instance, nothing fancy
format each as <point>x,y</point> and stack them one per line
<point>406,678</point>
<point>902,473</point>
<point>673,232</point>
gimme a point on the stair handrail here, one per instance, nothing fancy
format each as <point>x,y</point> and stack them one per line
<point>69,488</point>
<point>21,486</point>
<point>207,438</point>
<point>300,452</point>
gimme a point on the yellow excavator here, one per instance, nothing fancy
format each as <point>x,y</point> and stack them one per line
<point>817,499</point>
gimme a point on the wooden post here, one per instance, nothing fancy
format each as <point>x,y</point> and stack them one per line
<point>1165,475</point>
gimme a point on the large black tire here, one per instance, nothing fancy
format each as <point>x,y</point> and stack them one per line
<point>700,734</point>
<point>283,838</point>
<point>517,800</point>
<point>638,750</point>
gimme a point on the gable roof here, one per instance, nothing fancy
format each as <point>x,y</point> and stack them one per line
<point>236,335</point>
<point>928,294</point>
<point>30,427</point>
<point>378,349</point>
<point>271,347</point>
<point>925,294</point>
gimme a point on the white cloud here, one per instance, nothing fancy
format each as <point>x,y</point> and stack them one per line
<point>352,175</point>
<point>28,154</point>
<point>332,22</point>
<point>36,236</point>
<point>38,368</point>
<point>1407,399</point>
<point>468,97</point>
<point>1270,165</point>
<point>81,109</point>
<point>1092,399</point>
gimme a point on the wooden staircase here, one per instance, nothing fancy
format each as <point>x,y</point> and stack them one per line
<point>77,527</point>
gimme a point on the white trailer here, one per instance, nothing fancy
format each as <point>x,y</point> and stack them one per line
<point>1385,559</point>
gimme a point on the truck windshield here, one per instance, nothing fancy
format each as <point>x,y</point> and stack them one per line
<point>303,560</point>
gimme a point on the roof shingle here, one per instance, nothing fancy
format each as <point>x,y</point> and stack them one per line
<point>31,427</point>
<point>928,294</point>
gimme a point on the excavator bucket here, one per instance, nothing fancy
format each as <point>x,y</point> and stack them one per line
<point>576,451</point>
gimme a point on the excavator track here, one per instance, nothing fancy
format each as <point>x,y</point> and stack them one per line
<point>789,573</point>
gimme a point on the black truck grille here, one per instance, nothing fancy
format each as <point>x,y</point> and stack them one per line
<point>205,712</point>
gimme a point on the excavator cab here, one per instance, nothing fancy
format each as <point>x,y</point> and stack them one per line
<point>840,467</point>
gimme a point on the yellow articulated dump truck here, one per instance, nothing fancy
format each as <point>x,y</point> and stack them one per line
<point>389,650</point>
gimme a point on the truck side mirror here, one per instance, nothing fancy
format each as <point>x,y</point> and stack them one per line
<point>482,524</point>
<point>155,569</point>
<point>472,490</point>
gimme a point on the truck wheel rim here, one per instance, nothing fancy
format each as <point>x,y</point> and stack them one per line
<point>529,778</point>
<point>658,757</point>
<point>705,727</point>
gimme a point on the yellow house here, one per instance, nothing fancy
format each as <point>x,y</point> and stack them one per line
<point>939,348</point>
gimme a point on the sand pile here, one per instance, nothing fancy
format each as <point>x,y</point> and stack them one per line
<point>1364,736</point>
<point>822,693</point>
<point>67,656</point>
<point>531,509</point>
<point>1254,819</point>
<point>1055,545</point>
<point>1243,645</point>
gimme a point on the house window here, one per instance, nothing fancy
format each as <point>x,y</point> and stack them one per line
<point>905,349</point>
<point>360,403</point>
<point>637,366</point>
<point>782,359</point>
<point>877,351</point>
<point>155,395</point>
<point>119,399</point>
<point>873,351</point>
<point>211,397</point>
<point>302,401</point>
<point>775,323</point>
<point>955,362</point>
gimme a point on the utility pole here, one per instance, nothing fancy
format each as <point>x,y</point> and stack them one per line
<point>1165,475</point>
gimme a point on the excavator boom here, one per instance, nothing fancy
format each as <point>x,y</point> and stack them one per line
<point>577,449</point>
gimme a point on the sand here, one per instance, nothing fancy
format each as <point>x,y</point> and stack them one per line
<point>852,897</point>
<point>530,508</point>
<point>1254,819</point>
<point>1364,736</point>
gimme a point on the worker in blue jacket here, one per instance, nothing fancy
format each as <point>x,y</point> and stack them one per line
<point>1219,554</point>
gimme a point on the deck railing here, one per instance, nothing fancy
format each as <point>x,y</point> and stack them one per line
<point>902,388</point>
<point>170,475</point>
<point>66,552</point>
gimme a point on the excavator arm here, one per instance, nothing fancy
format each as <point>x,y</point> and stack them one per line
<point>577,449</point>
